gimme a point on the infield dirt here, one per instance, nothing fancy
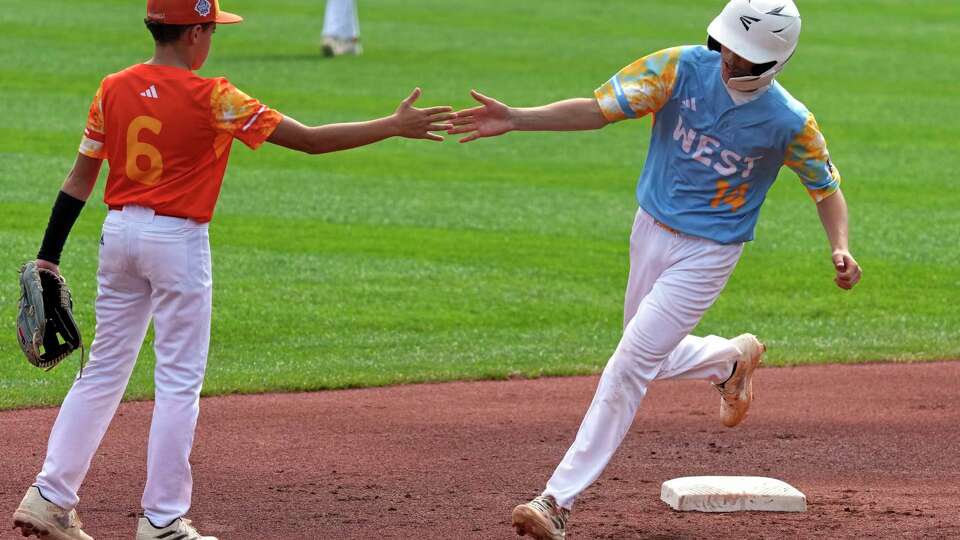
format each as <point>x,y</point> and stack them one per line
<point>876,449</point>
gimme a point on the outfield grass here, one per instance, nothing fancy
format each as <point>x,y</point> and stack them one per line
<point>415,261</point>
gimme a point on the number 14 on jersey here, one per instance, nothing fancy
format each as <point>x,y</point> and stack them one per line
<point>735,197</point>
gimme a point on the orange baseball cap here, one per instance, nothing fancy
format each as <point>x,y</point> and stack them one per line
<point>189,12</point>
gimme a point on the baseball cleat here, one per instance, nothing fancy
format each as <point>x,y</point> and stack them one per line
<point>180,529</point>
<point>541,518</point>
<point>334,46</point>
<point>736,392</point>
<point>39,517</point>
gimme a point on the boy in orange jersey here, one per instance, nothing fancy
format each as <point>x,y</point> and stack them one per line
<point>166,133</point>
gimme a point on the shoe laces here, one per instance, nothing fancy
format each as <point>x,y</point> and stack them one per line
<point>548,506</point>
<point>186,527</point>
<point>722,387</point>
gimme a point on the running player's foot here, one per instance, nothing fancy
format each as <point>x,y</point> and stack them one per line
<point>542,518</point>
<point>736,392</point>
<point>180,528</point>
<point>39,517</point>
<point>334,46</point>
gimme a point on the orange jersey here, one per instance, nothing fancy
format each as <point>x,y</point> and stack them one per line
<point>167,133</point>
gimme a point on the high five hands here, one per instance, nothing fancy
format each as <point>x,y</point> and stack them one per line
<point>494,118</point>
<point>490,119</point>
<point>414,123</point>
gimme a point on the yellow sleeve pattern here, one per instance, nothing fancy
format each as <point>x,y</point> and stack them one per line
<point>807,155</point>
<point>241,116</point>
<point>641,88</point>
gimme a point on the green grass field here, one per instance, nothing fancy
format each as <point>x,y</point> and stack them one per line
<point>415,261</point>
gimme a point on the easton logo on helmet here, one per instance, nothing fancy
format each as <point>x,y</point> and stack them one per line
<point>202,8</point>
<point>747,20</point>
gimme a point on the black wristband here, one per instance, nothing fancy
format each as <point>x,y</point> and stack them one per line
<point>65,212</point>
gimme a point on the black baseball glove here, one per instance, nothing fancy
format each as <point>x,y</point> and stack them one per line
<point>46,329</point>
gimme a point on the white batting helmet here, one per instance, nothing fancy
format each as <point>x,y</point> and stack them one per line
<point>764,32</point>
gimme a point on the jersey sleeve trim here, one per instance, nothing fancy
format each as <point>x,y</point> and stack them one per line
<point>262,128</point>
<point>92,148</point>
<point>253,118</point>
<point>622,99</point>
<point>93,135</point>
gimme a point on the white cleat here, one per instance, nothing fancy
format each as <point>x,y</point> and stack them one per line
<point>542,518</point>
<point>736,392</point>
<point>334,46</point>
<point>39,517</point>
<point>180,529</point>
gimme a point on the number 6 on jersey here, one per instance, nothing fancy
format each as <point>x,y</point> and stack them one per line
<point>136,148</point>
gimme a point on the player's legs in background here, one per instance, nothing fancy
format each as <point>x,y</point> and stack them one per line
<point>340,19</point>
<point>686,276</point>
<point>341,28</point>
<point>177,259</point>
<point>123,313</point>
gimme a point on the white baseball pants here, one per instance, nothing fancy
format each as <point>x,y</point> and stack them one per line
<point>340,19</point>
<point>149,266</point>
<point>673,280</point>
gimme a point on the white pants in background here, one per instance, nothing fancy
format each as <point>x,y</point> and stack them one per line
<point>673,280</point>
<point>340,19</point>
<point>150,266</point>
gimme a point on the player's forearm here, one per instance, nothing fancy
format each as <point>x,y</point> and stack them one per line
<point>568,115</point>
<point>79,183</point>
<point>67,207</point>
<point>335,137</point>
<point>833,216</point>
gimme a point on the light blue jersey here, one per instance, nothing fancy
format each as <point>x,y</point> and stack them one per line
<point>711,162</point>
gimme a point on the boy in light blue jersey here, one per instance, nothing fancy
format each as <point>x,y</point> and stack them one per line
<point>722,130</point>
<point>718,157</point>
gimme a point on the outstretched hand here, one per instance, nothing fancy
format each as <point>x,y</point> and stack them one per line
<point>848,271</point>
<point>414,123</point>
<point>490,119</point>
